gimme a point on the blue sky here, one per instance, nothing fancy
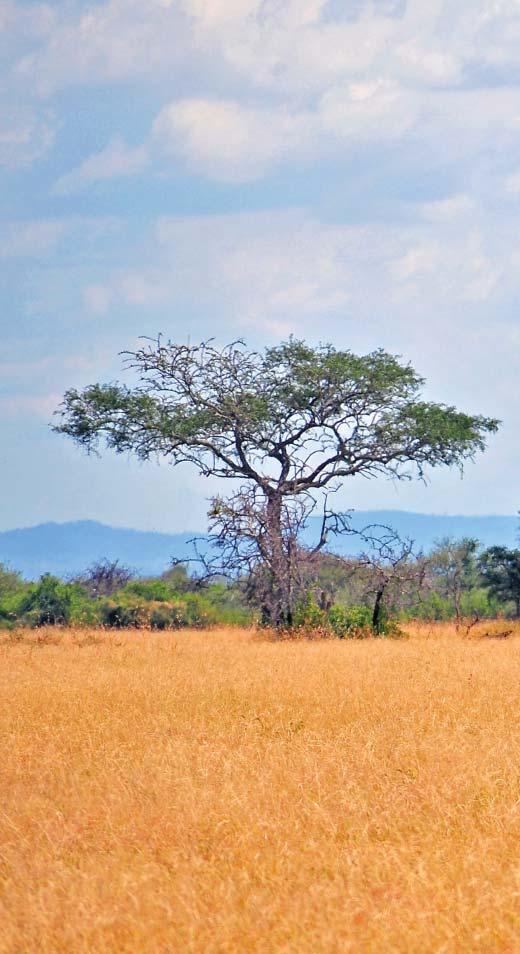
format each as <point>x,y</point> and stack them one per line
<point>345,170</point>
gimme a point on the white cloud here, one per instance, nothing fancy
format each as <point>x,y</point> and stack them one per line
<point>115,41</point>
<point>227,140</point>
<point>446,211</point>
<point>25,136</point>
<point>415,62</point>
<point>41,237</point>
<point>265,81</point>
<point>284,271</point>
<point>115,160</point>
<point>210,13</point>
<point>36,238</point>
<point>512,184</point>
<point>290,47</point>
<point>379,111</point>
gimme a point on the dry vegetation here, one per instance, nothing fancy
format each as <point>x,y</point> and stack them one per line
<point>213,792</point>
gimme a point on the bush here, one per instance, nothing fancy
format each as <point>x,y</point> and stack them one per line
<point>434,606</point>
<point>308,615</point>
<point>346,622</point>
<point>131,612</point>
<point>124,614</point>
<point>11,581</point>
<point>352,622</point>
<point>157,590</point>
<point>48,602</point>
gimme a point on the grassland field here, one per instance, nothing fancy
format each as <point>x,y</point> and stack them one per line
<point>220,792</point>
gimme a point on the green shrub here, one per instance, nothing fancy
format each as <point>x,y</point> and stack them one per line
<point>11,581</point>
<point>150,590</point>
<point>161,616</point>
<point>308,615</point>
<point>124,613</point>
<point>10,609</point>
<point>346,622</point>
<point>47,603</point>
<point>128,611</point>
<point>353,622</point>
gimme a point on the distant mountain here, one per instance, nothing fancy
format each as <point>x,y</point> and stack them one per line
<point>67,548</point>
<point>425,529</point>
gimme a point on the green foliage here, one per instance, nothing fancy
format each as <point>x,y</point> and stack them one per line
<point>434,605</point>
<point>158,590</point>
<point>10,609</point>
<point>308,615</point>
<point>230,410</point>
<point>155,604</point>
<point>12,592</point>
<point>131,611</point>
<point>351,622</point>
<point>500,570</point>
<point>10,581</point>
<point>346,622</point>
<point>126,613</point>
<point>478,601</point>
<point>48,602</point>
<point>158,603</point>
<point>178,578</point>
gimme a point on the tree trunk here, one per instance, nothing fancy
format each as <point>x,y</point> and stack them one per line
<point>378,609</point>
<point>280,596</point>
<point>456,601</point>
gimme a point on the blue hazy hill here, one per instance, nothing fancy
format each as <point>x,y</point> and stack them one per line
<point>67,548</point>
<point>425,529</point>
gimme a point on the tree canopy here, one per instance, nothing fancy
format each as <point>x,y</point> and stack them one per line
<point>500,568</point>
<point>292,418</point>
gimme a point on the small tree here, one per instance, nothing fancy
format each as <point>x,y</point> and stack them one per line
<point>393,572</point>
<point>49,602</point>
<point>177,577</point>
<point>104,577</point>
<point>289,424</point>
<point>500,569</point>
<point>453,564</point>
<point>10,580</point>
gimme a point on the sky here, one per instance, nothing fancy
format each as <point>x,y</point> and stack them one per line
<point>347,171</point>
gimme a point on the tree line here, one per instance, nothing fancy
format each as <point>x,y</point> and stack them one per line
<point>347,597</point>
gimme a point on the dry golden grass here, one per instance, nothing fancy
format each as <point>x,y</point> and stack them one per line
<point>213,792</point>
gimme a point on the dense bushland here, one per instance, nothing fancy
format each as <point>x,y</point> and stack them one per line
<point>168,602</point>
<point>453,582</point>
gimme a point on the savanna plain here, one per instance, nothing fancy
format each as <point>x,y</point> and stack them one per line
<point>222,792</point>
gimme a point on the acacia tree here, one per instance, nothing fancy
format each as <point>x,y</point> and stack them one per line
<point>394,571</point>
<point>500,569</point>
<point>104,577</point>
<point>453,564</point>
<point>289,424</point>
